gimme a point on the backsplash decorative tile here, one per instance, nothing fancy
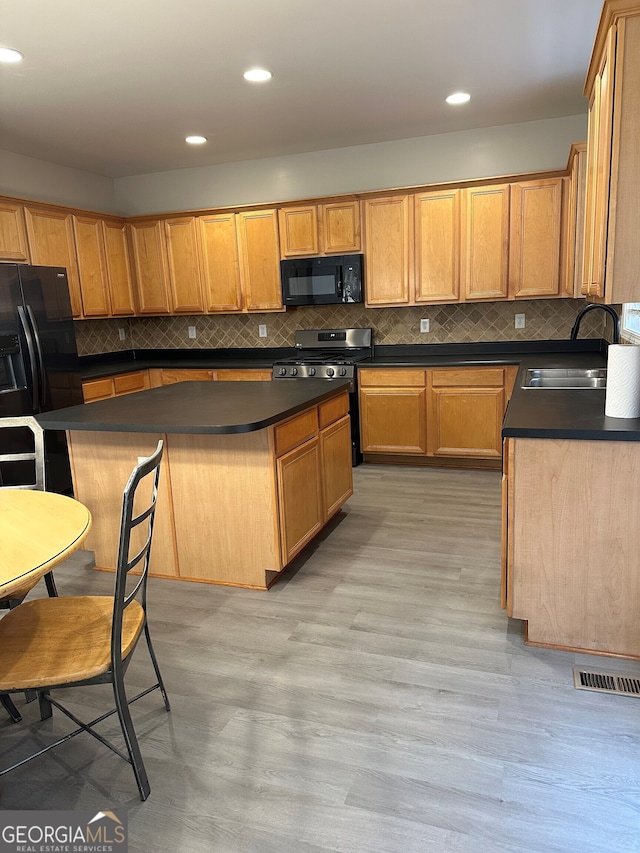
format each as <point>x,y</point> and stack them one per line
<point>468,322</point>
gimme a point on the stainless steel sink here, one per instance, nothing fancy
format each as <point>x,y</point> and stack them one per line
<point>567,378</point>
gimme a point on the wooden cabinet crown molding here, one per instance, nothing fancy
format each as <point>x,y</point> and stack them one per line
<point>612,12</point>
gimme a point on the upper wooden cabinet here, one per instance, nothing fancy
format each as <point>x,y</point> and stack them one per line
<point>573,228</point>
<point>320,229</point>
<point>13,233</point>
<point>51,243</point>
<point>240,261</point>
<point>183,261</point>
<point>340,227</point>
<point>612,213</point>
<point>485,242</point>
<point>259,260</point>
<point>92,266</point>
<point>388,232</point>
<point>437,246</point>
<point>116,253</point>
<point>299,231</point>
<point>535,238</point>
<point>220,263</point>
<point>148,248</point>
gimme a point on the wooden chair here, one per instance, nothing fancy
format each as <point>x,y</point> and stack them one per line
<point>74,641</point>
<point>22,470</point>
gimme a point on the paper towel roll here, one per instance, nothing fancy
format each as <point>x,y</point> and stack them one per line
<point>623,382</point>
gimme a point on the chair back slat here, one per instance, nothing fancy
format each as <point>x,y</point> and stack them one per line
<point>149,467</point>
<point>9,456</point>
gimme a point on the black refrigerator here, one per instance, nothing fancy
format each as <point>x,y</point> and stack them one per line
<point>39,364</point>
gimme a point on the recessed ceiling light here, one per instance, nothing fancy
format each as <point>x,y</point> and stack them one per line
<point>8,54</point>
<point>458,98</point>
<point>257,75</point>
<point>195,140</point>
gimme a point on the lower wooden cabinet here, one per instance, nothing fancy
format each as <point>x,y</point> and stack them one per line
<point>115,386</point>
<point>168,376</point>
<point>434,415</point>
<point>335,455</point>
<point>299,497</point>
<point>228,374</point>
<point>314,473</point>
<point>393,411</point>
<point>465,411</point>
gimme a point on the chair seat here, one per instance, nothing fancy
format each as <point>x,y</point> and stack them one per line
<point>52,641</point>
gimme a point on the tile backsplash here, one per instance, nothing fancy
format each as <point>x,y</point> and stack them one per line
<point>546,319</point>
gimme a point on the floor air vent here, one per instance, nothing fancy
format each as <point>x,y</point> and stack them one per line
<point>605,682</point>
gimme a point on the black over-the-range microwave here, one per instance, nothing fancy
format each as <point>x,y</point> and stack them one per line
<point>322,281</point>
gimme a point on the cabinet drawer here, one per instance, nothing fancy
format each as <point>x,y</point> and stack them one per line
<point>169,377</point>
<point>228,374</point>
<point>97,389</point>
<point>127,383</point>
<point>333,410</point>
<point>395,377</point>
<point>468,376</point>
<point>301,428</point>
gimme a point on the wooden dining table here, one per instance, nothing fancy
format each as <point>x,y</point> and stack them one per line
<point>38,531</point>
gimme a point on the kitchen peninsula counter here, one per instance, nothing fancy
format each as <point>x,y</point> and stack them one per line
<point>252,471</point>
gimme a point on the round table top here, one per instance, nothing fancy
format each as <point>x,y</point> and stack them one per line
<point>38,530</point>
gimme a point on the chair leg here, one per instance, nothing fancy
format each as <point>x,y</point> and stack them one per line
<point>154,661</point>
<point>46,710</point>
<point>51,585</point>
<point>129,734</point>
<point>10,708</point>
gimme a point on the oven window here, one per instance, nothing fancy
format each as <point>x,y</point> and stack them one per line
<point>312,285</point>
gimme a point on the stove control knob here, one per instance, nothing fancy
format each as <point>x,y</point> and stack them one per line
<point>294,371</point>
<point>330,371</point>
<point>282,371</point>
<point>312,371</point>
<point>343,371</point>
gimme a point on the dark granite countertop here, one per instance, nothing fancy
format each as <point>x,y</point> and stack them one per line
<point>109,364</point>
<point>210,408</point>
<point>532,413</point>
<point>554,413</point>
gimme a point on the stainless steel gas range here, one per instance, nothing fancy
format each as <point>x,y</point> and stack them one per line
<point>330,354</point>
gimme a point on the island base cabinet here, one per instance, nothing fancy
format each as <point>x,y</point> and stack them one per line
<point>571,543</point>
<point>224,493</point>
<point>337,481</point>
<point>299,497</point>
<point>101,463</point>
<point>233,509</point>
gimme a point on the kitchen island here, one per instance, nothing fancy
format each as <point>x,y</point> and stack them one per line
<point>252,471</point>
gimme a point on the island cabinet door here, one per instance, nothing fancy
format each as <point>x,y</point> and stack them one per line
<point>337,473</point>
<point>299,497</point>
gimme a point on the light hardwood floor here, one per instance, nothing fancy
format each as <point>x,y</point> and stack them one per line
<point>376,700</point>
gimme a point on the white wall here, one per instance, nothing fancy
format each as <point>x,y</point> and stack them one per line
<point>25,177</point>
<point>485,152</point>
<point>505,150</point>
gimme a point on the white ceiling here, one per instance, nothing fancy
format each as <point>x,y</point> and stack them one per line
<point>114,86</point>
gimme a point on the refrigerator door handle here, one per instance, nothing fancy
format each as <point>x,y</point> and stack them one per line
<point>32,357</point>
<point>43,378</point>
